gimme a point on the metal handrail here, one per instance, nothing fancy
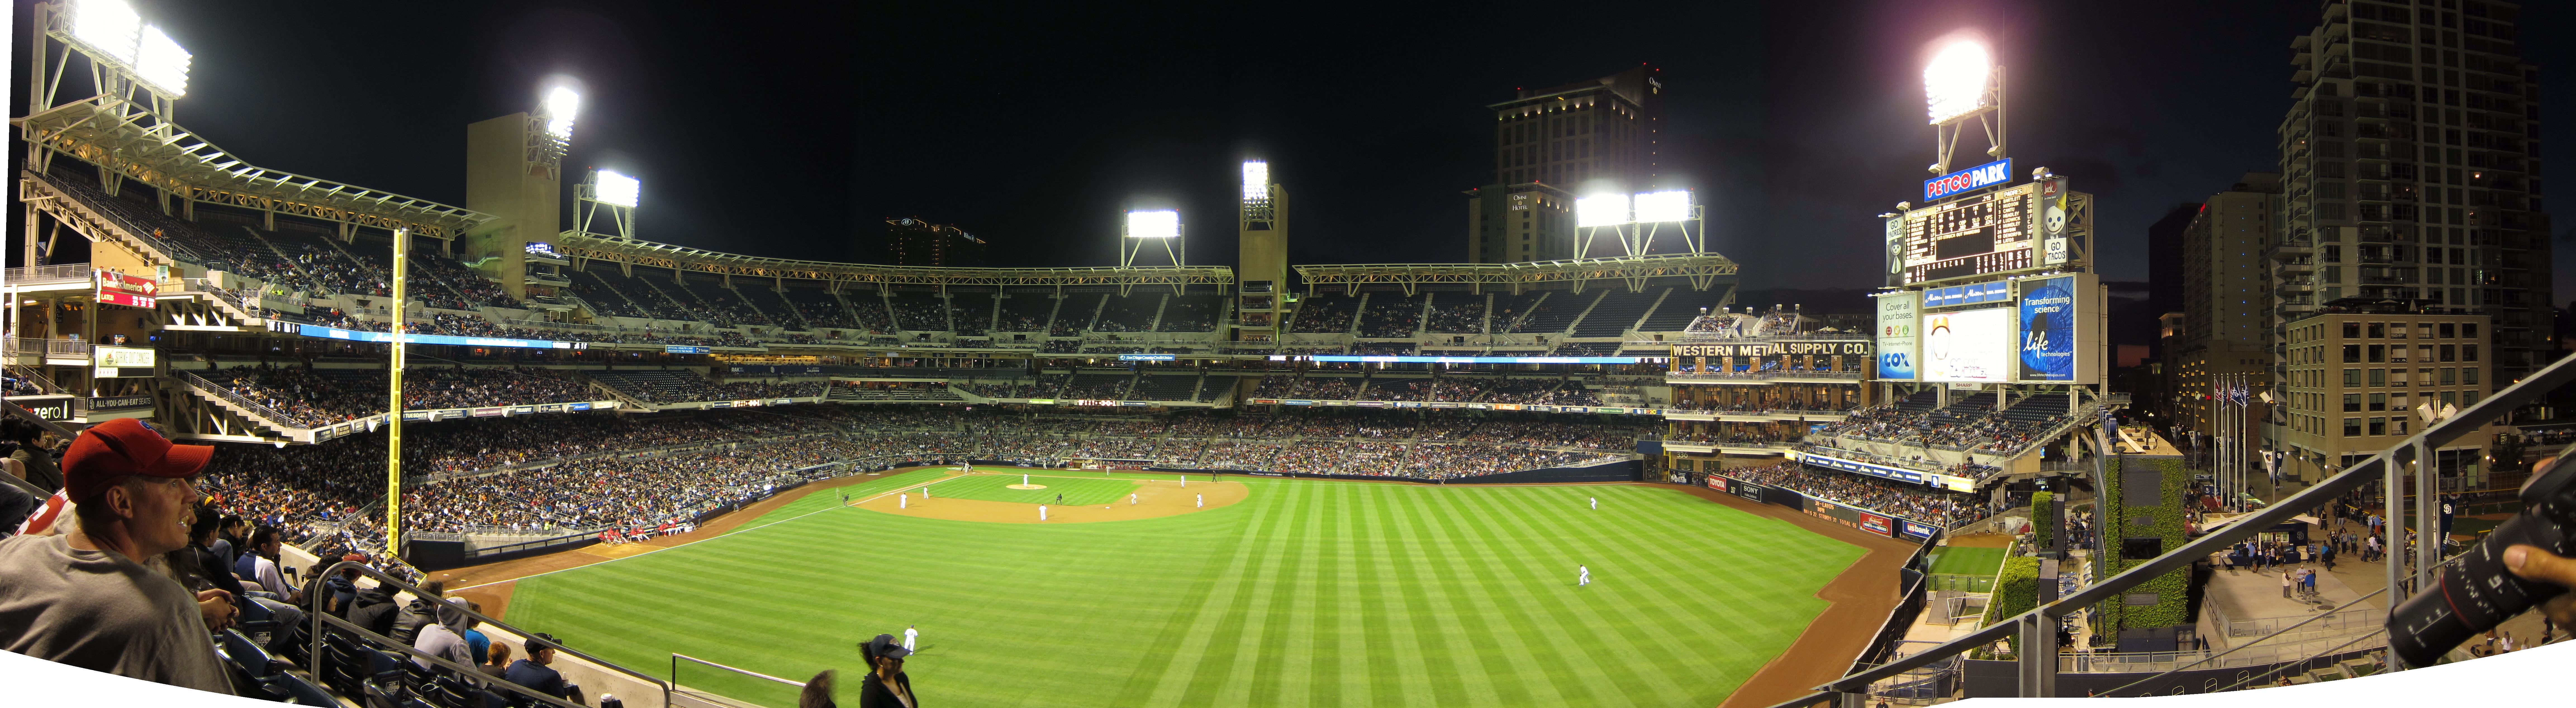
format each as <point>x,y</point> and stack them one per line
<point>2040,623</point>
<point>673,685</point>
<point>469,673</point>
<point>67,271</point>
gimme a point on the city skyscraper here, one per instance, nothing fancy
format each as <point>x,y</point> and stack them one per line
<point>2408,163</point>
<point>2225,287</point>
<point>1550,144</point>
<point>913,242</point>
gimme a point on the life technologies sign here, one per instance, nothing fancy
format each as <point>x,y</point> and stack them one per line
<point>2048,330</point>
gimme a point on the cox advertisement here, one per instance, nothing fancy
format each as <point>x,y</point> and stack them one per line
<point>1896,336</point>
<point>2048,330</point>
<point>1969,345</point>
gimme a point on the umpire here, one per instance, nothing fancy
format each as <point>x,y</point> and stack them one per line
<point>886,686</point>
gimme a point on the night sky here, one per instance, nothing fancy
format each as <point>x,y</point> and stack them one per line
<point>795,133</point>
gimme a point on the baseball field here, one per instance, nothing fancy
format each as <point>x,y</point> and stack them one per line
<point>1249,591</point>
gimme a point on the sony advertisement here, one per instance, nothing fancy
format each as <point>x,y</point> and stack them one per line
<point>1968,345</point>
<point>1896,321</point>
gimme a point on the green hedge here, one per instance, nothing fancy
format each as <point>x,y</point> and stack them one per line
<point>2172,600</point>
<point>2016,592</point>
<point>2040,528</point>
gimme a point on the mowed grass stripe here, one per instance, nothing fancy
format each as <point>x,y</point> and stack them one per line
<point>1309,593</point>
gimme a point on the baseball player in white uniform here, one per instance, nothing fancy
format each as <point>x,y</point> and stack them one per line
<point>1584,575</point>
<point>1596,503</point>
<point>909,634</point>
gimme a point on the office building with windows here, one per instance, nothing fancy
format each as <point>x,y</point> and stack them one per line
<point>2361,373</point>
<point>1551,143</point>
<point>2225,289</point>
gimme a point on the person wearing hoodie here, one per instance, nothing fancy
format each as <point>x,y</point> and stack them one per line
<point>446,637</point>
<point>422,611</point>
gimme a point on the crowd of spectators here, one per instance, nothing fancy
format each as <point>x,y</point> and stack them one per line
<point>310,398</point>
<point>1462,316</point>
<point>615,492</point>
<point>1984,428</point>
<point>1912,501</point>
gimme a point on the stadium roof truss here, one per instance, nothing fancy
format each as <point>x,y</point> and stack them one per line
<point>584,247</point>
<point>127,130</point>
<point>1703,270</point>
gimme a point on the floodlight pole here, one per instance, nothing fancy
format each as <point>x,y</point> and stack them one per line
<point>394,412</point>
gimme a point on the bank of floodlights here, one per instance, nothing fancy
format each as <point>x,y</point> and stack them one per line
<point>561,105</point>
<point>1634,220</point>
<point>1256,181</point>
<point>1161,227</point>
<point>1961,82</point>
<point>618,189</point>
<point>112,32</point>
<point>615,191</point>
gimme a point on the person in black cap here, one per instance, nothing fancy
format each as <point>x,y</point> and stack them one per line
<point>886,685</point>
<point>533,673</point>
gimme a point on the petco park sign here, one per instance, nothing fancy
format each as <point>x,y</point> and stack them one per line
<point>1986,175</point>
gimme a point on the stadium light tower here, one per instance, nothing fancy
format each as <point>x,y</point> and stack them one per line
<point>1634,221</point>
<point>552,126</point>
<point>1151,227</point>
<point>127,57</point>
<point>1961,82</point>
<point>614,191</point>
<point>1261,271</point>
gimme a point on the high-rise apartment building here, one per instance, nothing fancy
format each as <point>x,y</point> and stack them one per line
<point>2409,164</point>
<point>2225,290</point>
<point>913,242</point>
<point>1549,144</point>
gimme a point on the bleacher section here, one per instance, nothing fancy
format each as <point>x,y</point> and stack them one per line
<point>971,312</point>
<point>1165,387</point>
<point>1133,313</point>
<point>1191,313</point>
<point>762,296</point>
<point>1077,314</point>
<point>1556,313</point>
<point>823,311</point>
<point>1678,310</point>
<point>1391,314</point>
<point>1619,310</point>
<point>1326,313</point>
<point>721,303</point>
<point>1510,310</point>
<point>1457,313</point>
<point>665,299</point>
<point>659,385</point>
<point>1921,401</point>
<point>1026,312</point>
<point>606,298</point>
<point>919,311</point>
<point>1098,385</point>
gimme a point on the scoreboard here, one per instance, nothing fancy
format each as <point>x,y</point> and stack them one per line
<point>1980,235</point>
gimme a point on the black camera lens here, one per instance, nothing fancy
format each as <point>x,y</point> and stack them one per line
<point>2475,592</point>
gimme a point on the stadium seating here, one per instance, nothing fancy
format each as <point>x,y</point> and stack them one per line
<point>1556,312</point>
<point>1165,387</point>
<point>606,298</point>
<point>919,311</point>
<point>970,312</point>
<point>1132,313</point>
<point>1326,313</point>
<point>1457,313</point>
<point>1027,311</point>
<point>763,297</point>
<point>1391,314</point>
<point>1617,311</point>
<point>1191,313</point>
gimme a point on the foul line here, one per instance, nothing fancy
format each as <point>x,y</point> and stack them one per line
<point>728,534</point>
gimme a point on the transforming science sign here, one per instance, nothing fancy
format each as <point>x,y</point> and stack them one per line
<point>2058,329</point>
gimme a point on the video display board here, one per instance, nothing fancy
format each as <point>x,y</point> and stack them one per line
<point>1896,321</point>
<point>2059,323</point>
<point>1979,235</point>
<point>1968,345</point>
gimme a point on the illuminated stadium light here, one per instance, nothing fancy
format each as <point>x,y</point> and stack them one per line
<point>1654,207</point>
<point>1256,181</point>
<point>1154,224</point>
<point>109,26</point>
<point>1603,210</point>
<point>1954,83</point>
<point>159,60</point>
<point>618,189</point>
<point>561,104</point>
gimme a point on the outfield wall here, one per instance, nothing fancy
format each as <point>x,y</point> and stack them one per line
<point>1618,471</point>
<point>1867,520</point>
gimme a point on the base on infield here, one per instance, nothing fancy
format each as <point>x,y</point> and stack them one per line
<point>1027,486</point>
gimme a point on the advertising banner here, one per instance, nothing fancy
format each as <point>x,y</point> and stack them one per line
<point>1969,345</point>
<point>1896,321</point>
<point>679,349</point>
<point>1985,175</point>
<point>2053,213</point>
<point>1896,250</point>
<point>1876,524</point>
<point>116,288</point>
<point>1915,530</point>
<point>2048,318</point>
<point>1835,463</point>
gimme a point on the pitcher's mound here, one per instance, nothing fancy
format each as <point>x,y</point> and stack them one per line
<point>1028,486</point>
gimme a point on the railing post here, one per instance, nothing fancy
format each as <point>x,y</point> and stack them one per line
<point>2428,518</point>
<point>2392,491</point>
<point>2038,663</point>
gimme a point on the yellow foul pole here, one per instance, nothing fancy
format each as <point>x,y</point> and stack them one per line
<point>393,418</point>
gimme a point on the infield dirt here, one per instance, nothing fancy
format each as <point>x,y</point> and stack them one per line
<point>1154,498</point>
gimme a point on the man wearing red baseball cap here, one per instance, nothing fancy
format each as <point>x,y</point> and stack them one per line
<point>84,598</point>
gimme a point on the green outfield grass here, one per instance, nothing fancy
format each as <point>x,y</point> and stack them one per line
<point>1955,560</point>
<point>1078,490</point>
<point>1309,593</point>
